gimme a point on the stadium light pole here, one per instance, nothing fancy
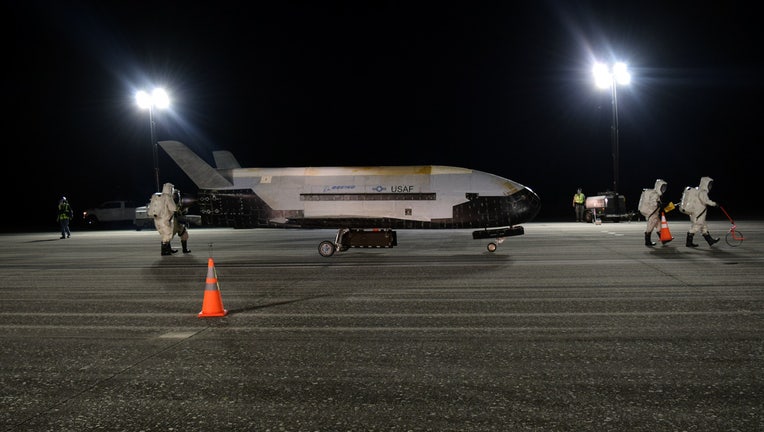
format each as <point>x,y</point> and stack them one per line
<point>156,99</point>
<point>610,77</point>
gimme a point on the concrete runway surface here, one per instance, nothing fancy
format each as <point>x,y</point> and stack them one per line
<point>570,327</point>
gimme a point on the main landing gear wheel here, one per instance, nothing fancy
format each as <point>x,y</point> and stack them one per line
<point>326,248</point>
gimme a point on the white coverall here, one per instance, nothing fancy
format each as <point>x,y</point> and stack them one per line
<point>163,219</point>
<point>696,208</point>
<point>649,204</point>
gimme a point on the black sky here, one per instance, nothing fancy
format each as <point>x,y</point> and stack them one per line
<point>503,87</point>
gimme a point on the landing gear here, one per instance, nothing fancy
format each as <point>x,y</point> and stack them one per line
<point>326,248</point>
<point>498,234</point>
<point>387,238</point>
<point>347,238</point>
<point>492,246</point>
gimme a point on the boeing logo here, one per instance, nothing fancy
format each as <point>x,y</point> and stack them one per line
<point>338,188</point>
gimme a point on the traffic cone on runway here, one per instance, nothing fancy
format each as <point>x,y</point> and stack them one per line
<point>665,233</point>
<point>213,303</point>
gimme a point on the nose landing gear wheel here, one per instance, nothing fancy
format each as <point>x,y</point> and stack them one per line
<point>326,248</point>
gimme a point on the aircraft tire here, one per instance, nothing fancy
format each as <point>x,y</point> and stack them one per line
<point>326,248</point>
<point>492,247</point>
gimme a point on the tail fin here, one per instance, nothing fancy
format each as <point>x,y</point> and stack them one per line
<point>199,171</point>
<point>225,160</point>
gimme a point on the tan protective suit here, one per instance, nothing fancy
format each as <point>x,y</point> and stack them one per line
<point>163,218</point>
<point>696,208</point>
<point>649,205</point>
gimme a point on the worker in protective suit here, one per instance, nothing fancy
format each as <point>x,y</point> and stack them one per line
<point>650,205</point>
<point>180,224</point>
<point>694,203</point>
<point>163,208</point>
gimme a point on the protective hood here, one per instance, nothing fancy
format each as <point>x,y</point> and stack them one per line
<point>660,186</point>
<point>705,184</point>
<point>167,188</point>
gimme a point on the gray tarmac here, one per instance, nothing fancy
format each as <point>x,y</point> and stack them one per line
<point>570,327</point>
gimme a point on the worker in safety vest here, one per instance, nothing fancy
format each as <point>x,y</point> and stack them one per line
<point>65,214</point>
<point>578,205</point>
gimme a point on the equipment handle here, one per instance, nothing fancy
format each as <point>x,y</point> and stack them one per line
<point>727,214</point>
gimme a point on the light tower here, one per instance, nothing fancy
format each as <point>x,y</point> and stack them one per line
<point>156,99</point>
<point>607,77</point>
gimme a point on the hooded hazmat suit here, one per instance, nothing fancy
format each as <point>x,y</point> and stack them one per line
<point>694,204</point>
<point>163,216</point>
<point>650,205</point>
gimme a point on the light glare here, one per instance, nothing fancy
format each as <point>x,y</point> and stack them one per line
<point>601,75</point>
<point>604,78</point>
<point>158,98</point>
<point>161,100</point>
<point>622,76</point>
<point>143,99</point>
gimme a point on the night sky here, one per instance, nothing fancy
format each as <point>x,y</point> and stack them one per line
<point>502,87</point>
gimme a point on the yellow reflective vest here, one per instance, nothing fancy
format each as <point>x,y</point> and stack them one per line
<point>64,211</point>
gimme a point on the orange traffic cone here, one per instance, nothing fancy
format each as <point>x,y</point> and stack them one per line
<point>665,233</point>
<point>213,303</point>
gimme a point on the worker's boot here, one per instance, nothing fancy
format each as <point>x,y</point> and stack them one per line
<point>710,239</point>
<point>169,248</point>
<point>689,240</point>
<point>648,242</point>
<point>184,243</point>
<point>166,249</point>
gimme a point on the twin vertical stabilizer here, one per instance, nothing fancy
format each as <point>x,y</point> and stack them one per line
<point>199,171</point>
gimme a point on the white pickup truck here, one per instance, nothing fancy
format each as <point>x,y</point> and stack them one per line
<point>115,212</point>
<point>142,219</point>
